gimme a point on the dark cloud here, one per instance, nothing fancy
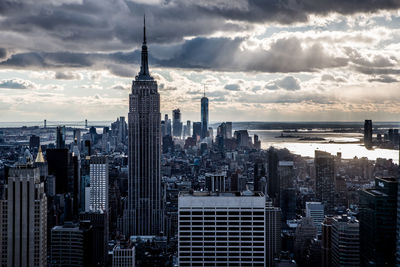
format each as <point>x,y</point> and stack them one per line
<point>103,25</point>
<point>59,75</point>
<point>3,53</point>
<point>384,79</point>
<point>16,84</point>
<point>222,54</point>
<point>288,83</point>
<point>120,87</point>
<point>329,77</point>
<point>232,87</point>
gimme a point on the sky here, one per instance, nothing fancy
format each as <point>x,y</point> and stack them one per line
<point>257,60</point>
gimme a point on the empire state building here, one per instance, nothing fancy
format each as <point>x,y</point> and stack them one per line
<point>144,213</point>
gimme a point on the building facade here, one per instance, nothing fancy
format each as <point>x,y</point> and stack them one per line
<point>98,183</point>
<point>24,219</point>
<point>345,242</point>
<point>325,180</point>
<point>224,229</point>
<point>204,117</point>
<point>144,213</point>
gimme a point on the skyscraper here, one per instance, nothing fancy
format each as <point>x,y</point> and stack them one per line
<point>176,123</point>
<point>272,233</point>
<point>315,210</point>
<point>345,242</point>
<point>24,219</point>
<point>325,179</point>
<point>144,213</point>
<point>377,216</point>
<point>368,133</point>
<point>204,116</point>
<point>225,229</point>
<point>98,183</point>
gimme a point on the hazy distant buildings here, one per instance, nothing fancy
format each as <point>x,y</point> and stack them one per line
<point>196,130</point>
<point>204,238</point>
<point>144,213</point>
<point>34,141</point>
<point>176,123</point>
<point>228,129</point>
<point>23,222</point>
<point>204,117</point>
<point>368,133</point>
<point>325,180</point>
<point>377,216</point>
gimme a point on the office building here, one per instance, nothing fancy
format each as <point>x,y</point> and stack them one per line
<point>315,210</point>
<point>204,117</point>
<point>221,228</point>
<point>24,219</point>
<point>34,141</point>
<point>326,241</point>
<point>188,128</point>
<point>196,130</point>
<point>144,213</point>
<point>60,137</point>
<point>273,178</point>
<point>242,138</point>
<point>368,134</point>
<point>228,129</point>
<point>98,183</point>
<point>305,232</point>
<point>216,182</point>
<point>72,245</point>
<point>377,216</point>
<point>325,180</point>
<point>176,123</point>
<point>287,191</point>
<point>272,233</point>
<point>345,242</point>
<point>123,254</point>
<point>100,230</point>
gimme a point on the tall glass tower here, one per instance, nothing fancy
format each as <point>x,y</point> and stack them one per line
<point>144,213</point>
<point>204,116</point>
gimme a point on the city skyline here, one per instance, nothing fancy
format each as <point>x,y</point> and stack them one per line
<point>260,62</point>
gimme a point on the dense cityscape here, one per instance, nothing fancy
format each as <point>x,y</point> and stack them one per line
<point>153,190</point>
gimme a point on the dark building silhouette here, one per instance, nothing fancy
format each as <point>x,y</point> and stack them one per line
<point>176,123</point>
<point>368,133</point>
<point>326,241</point>
<point>287,192</point>
<point>259,172</point>
<point>100,230</point>
<point>377,216</point>
<point>325,180</point>
<point>196,130</point>
<point>273,178</point>
<point>72,245</point>
<point>144,213</point>
<point>204,117</point>
<point>58,163</point>
<point>60,137</point>
<point>34,141</point>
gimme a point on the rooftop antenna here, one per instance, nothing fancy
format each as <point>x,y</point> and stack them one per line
<point>204,89</point>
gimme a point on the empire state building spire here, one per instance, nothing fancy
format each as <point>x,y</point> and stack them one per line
<point>144,73</point>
